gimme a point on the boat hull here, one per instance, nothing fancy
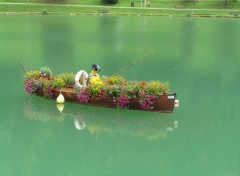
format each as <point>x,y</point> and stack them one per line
<point>164,103</point>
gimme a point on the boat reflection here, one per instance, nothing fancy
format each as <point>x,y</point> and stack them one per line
<point>60,107</point>
<point>151,126</point>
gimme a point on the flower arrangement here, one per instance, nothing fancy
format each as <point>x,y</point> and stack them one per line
<point>58,82</point>
<point>51,85</point>
<point>147,102</point>
<point>117,88</point>
<point>132,89</point>
<point>94,90</point>
<point>114,80</point>
<point>45,72</point>
<point>69,79</point>
<point>84,95</point>
<point>156,87</point>
<point>31,75</point>
<point>122,101</point>
<point>102,92</point>
<point>31,85</point>
<point>48,89</point>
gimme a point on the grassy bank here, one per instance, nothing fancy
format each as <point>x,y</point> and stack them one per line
<point>157,8</point>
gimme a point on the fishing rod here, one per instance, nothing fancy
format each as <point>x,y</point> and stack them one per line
<point>151,52</point>
<point>137,60</point>
<point>22,67</point>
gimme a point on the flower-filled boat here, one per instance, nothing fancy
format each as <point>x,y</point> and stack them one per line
<point>115,92</point>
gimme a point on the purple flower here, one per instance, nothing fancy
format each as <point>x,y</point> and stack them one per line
<point>122,101</point>
<point>147,102</point>
<point>31,86</point>
<point>84,96</point>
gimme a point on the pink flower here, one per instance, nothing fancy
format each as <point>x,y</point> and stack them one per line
<point>147,102</point>
<point>83,96</point>
<point>122,101</point>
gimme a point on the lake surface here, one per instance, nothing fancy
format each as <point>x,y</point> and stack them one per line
<point>200,57</point>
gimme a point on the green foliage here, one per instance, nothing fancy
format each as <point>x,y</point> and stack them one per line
<point>31,75</point>
<point>58,82</point>
<point>50,85</point>
<point>114,80</point>
<point>115,90</point>
<point>95,89</point>
<point>48,89</point>
<point>110,1</point>
<point>156,87</point>
<point>44,11</point>
<point>118,86</point>
<point>45,72</point>
<point>69,79</point>
<point>132,89</point>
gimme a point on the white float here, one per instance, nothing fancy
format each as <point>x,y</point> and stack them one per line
<point>60,107</point>
<point>60,98</point>
<point>84,78</point>
<point>176,103</point>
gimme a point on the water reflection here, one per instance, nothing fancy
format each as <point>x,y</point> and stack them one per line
<point>148,125</point>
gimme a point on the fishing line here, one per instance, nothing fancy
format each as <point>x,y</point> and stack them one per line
<point>187,31</point>
<point>152,51</point>
<point>22,67</point>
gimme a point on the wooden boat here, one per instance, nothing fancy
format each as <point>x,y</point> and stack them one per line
<point>164,103</point>
<point>151,96</point>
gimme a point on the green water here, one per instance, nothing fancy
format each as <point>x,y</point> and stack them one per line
<point>199,57</point>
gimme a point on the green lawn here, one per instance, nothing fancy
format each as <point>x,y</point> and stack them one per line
<point>197,8</point>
